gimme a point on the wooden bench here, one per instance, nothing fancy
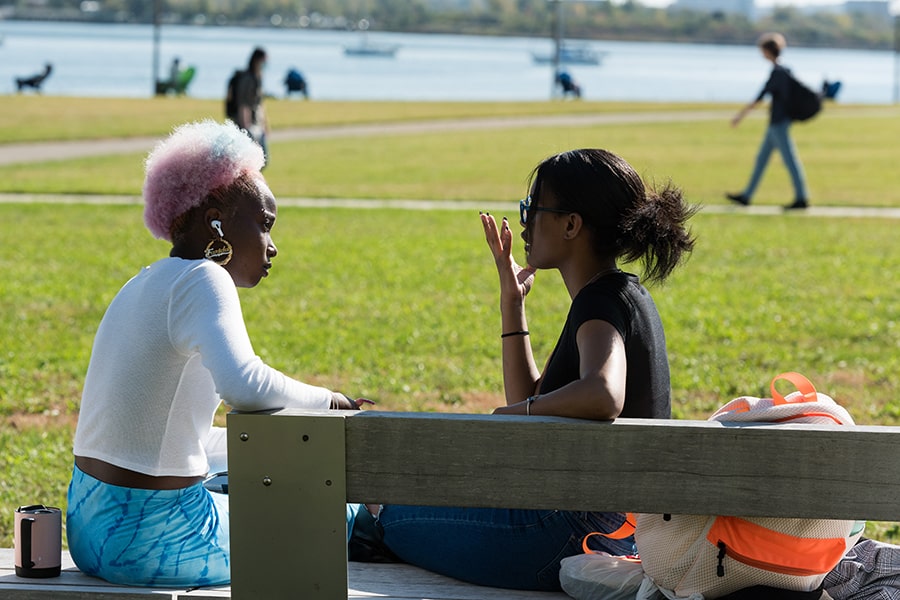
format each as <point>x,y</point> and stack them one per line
<point>291,471</point>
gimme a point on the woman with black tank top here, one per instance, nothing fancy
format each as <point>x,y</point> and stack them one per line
<point>587,209</point>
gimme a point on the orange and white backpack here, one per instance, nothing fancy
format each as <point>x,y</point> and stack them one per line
<point>703,557</point>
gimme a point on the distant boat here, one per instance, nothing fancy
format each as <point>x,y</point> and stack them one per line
<point>571,54</point>
<point>368,48</point>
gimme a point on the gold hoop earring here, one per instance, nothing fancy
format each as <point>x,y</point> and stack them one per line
<point>219,249</point>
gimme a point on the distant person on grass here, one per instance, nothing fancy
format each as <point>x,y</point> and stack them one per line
<point>586,210</point>
<point>244,100</point>
<point>171,346</point>
<point>778,133</point>
<point>248,99</point>
<point>568,84</point>
<point>175,73</point>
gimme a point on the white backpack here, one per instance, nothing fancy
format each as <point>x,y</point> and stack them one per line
<point>704,556</point>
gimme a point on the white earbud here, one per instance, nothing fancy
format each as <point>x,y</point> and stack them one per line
<point>217,225</point>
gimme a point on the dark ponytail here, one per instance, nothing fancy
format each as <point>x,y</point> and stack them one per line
<point>655,232</point>
<point>626,219</point>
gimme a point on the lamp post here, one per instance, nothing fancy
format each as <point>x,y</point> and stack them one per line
<point>896,12</point>
<point>157,9</point>
<point>557,44</point>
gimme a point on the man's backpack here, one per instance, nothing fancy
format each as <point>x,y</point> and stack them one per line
<point>231,105</point>
<point>802,103</point>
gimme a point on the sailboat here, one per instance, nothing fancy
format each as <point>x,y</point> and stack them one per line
<point>571,53</point>
<point>567,52</point>
<point>368,48</point>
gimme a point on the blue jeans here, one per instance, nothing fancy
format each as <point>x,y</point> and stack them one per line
<point>516,549</point>
<point>778,136</point>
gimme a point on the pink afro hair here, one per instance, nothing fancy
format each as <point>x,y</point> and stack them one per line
<point>194,160</point>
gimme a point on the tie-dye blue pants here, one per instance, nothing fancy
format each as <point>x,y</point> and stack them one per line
<point>164,538</point>
<point>161,538</point>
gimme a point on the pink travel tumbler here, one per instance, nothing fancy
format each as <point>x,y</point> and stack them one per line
<point>38,541</point>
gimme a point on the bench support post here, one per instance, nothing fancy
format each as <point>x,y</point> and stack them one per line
<point>287,489</point>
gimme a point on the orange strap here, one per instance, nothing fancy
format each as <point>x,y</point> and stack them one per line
<point>626,529</point>
<point>804,385</point>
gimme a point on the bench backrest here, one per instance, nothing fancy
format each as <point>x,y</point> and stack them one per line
<point>291,472</point>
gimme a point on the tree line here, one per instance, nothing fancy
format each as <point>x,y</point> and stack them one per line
<point>598,20</point>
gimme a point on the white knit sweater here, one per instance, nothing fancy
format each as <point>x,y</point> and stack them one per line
<point>171,345</point>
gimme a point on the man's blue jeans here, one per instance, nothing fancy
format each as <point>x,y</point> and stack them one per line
<point>516,549</point>
<point>778,136</point>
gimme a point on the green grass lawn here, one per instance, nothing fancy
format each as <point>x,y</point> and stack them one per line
<point>401,306</point>
<point>848,152</point>
<point>41,118</point>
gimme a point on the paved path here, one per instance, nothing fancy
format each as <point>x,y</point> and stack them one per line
<point>496,207</point>
<point>23,153</point>
<point>29,152</point>
<point>19,153</point>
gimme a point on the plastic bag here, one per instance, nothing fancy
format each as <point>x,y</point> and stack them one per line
<point>601,576</point>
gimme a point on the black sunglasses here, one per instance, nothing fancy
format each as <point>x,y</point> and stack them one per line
<point>525,208</point>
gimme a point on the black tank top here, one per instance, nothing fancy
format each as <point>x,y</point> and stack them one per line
<point>619,299</point>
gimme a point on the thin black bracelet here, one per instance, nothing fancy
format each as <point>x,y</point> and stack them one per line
<point>512,333</point>
<point>528,402</point>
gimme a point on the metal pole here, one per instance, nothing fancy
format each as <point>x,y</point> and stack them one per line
<point>157,9</point>
<point>897,58</point>
<point>557,44</point>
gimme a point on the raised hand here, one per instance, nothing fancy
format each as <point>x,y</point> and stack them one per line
<point>515,280</point>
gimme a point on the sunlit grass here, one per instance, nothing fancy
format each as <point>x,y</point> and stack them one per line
<point>849,156</point>
<point>40,118</point>
<point>401,306</point>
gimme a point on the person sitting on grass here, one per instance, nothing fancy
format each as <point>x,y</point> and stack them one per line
<point>568,85</point>
<point>171,346</point>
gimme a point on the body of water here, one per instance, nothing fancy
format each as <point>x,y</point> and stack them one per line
<point>117,60</point>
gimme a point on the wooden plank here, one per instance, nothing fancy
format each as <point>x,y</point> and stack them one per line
<point>382,581</point>
<point>685,467</point>
<point>404,582</point>
<point>74,585</point>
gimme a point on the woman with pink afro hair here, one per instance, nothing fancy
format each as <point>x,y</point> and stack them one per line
<point>171,347</point>
<point>184,168</point>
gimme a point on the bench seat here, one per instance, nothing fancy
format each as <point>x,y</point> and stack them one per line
<point>384,582</point>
